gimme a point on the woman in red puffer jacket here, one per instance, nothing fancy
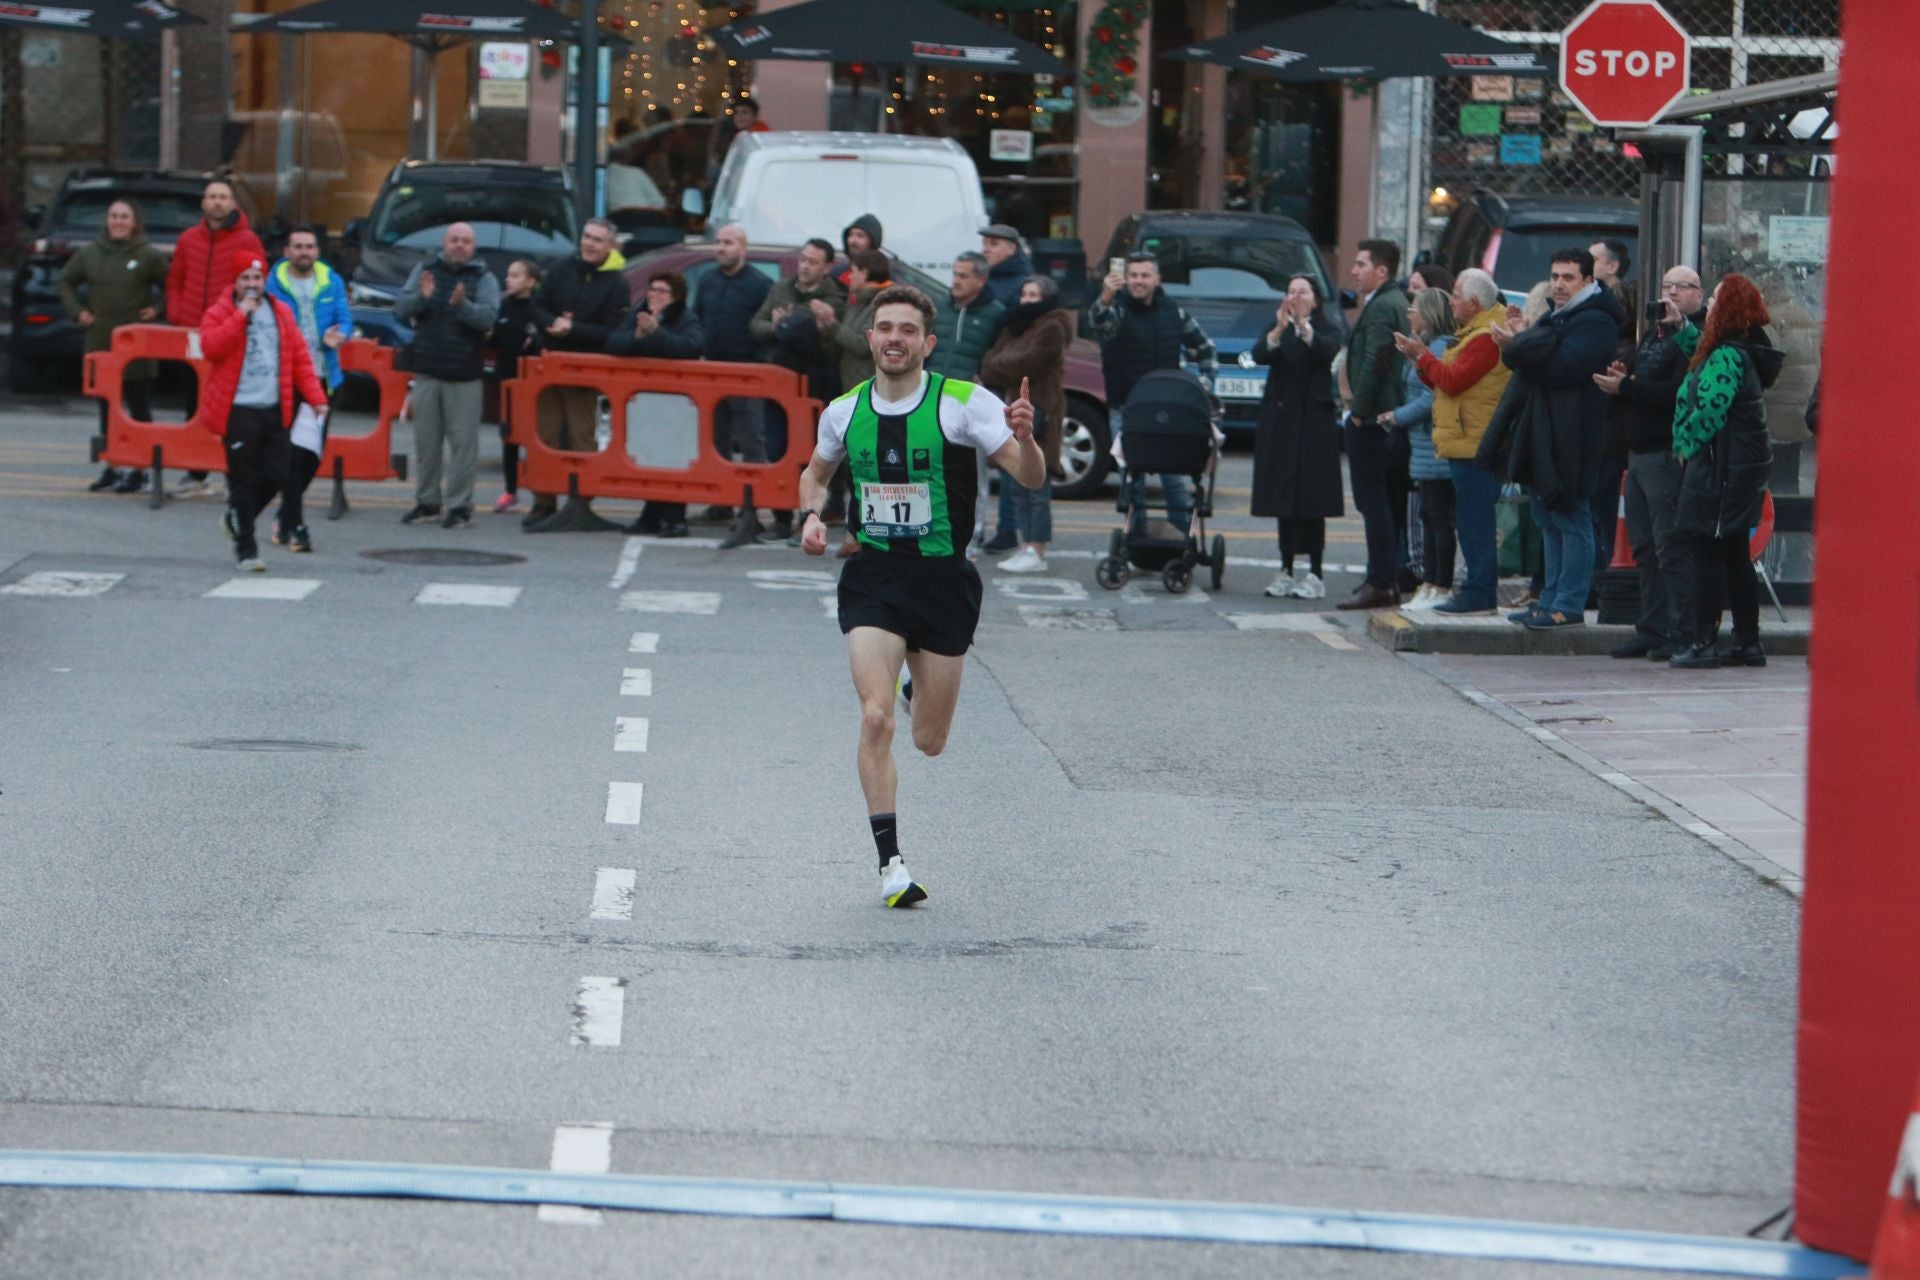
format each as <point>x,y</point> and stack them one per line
<point>260,370</point>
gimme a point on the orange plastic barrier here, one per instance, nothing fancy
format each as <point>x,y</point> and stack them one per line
<point>612,472</point>
<point>189,446</point>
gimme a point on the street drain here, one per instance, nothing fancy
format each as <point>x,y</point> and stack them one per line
<point>271,744</point>
<point>443,556</point>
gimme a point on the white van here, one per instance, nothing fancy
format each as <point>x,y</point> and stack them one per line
<point>787,187</point>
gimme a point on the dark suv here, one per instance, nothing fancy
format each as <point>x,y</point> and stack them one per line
<point>1230,271</point>
<point>42,332</point>
<point>516,211</point>
<point>1514,237</point>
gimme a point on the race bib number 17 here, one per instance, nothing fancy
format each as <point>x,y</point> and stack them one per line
<point>896,510</point>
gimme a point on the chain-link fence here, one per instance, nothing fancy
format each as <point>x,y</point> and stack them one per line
<point>1524,135</point>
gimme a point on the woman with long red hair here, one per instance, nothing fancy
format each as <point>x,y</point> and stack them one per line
<point>1720,436</point>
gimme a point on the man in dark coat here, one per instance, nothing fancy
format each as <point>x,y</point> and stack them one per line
<point>1555,417</point>
<point>1374,373</point>
<point>576,308</point>
<point>1008,265</point>
<point>794,319</point>
<point>728,300</point>
<point>1644,388</point>
<point>660,326</point>
<point>451,300</point>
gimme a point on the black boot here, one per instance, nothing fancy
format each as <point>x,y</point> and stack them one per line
<point>107,479</point>
<point>1743,653</point>
<point>1696,657</point>
<point>135,482</point>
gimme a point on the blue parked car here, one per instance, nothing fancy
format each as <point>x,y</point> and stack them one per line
<point>1230,271</point>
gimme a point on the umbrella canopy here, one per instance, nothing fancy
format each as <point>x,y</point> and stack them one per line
<point>886,32</point>
<point>431,24</point>
<point>98,17</point>
<point>1363,40</point>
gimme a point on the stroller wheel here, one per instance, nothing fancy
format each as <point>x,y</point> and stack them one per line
<point>1117,544</point>
<point>1111,573</point>
<point>1177,577</point>
<point>1218,561</point>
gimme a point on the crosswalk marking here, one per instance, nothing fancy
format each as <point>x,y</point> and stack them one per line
<point>701,603</point>
<point>791,579</point>
<point>1280,621</point>
<point>629,733</point>
<point>1051,590</point>
<point>636,682</point>
<point>1055,617</point>
<point>467,593</point>
<point>644,642</point>
<point>55,582</point>
<point>1135,593</point>
<point>264,589</point>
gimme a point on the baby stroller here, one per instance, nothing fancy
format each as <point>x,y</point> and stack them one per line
<point>1168,428</point>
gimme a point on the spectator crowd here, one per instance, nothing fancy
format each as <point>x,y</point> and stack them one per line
<point>1447,404</point>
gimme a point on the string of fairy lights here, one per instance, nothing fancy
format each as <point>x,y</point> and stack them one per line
<point>676,69</point>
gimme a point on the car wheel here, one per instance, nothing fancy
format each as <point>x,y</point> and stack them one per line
<point>1084,442</point>
<point>23,372</point>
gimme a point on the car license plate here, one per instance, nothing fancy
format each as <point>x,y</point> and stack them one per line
<point>1239,388</point>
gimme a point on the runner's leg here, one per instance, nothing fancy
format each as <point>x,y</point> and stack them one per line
<point>936,692</point>
<point>875,657</point>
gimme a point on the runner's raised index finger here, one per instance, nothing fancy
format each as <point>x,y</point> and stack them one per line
<point>1023,388</point>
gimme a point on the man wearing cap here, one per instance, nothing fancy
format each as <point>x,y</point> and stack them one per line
<point>1008,265</point>
<point>260,370</point>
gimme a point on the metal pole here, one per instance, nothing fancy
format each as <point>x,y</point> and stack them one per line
<point>169,100</point>
<point>586,119</point>
<point>1416,166</point>
<point>421,68</point>
<point>286,173</point>
<point>433,105</point>
<point>1690,201</point>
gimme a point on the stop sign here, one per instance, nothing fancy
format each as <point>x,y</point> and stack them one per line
<point>1624,62</point>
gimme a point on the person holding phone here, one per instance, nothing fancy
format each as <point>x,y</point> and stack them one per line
<point>1646,387</point>
<point>260,371</point>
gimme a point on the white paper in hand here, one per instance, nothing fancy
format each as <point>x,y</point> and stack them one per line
<point>308,431</point>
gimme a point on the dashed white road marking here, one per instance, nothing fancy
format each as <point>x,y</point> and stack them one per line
<point>644,642</point>
<point>1055,617</point>
<point>598,1011</point>
<point>636,682</point>
<point>613,894</point>
<point>1051,590</point>
<point>629,561</point>
<point>791,579</point>
<point>1280,621</point>
<point>50,582</point>
<point>703,603</point>
<point>623,803</point>
<point>467,593</point>
<point>1135,593</point>
<point>830,605</point>
<point>629,733</point>
<point>579,1148</point>
<point>264,589</point>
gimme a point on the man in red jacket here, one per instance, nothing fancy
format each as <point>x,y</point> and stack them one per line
<point>205,261</point>
<point>260,370</point>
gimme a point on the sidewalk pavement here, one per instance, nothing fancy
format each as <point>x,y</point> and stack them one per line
<point>1723,753</point>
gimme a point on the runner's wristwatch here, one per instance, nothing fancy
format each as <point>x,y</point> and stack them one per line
<point>800,518</point>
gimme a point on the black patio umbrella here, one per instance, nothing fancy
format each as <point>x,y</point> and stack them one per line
<point>129,18</point>
<point>429,24</point>
<point>1363,40</point>
<point>885,32</point>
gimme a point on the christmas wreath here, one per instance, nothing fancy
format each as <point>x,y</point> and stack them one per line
<point>1113,45</point>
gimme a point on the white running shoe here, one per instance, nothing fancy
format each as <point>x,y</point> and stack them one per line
<point>188,487</point>
<point>897,888</point>
<point>1309,588</point>
<point>1281,587</point>
<point>1025,560</point>
<point>252,565</point>
<point>1423,599</point>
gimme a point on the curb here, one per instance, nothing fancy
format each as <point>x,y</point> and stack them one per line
<point>1496,637</point>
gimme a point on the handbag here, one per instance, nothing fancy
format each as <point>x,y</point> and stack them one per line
<point>1522,550</point>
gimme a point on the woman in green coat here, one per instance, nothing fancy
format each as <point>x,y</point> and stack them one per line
<point>118,279</point>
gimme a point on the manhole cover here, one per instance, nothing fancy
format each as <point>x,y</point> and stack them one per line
<point>271,744</point>
<point>443,555</point>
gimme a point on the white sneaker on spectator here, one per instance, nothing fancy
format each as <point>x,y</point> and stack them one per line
<point>1423,599</point>
<point>188,487</point>
<point>1309,588</point>
<point>1025,560</point>
<point>1281,586</point>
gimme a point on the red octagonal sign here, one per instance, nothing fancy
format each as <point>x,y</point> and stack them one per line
<point>1624,62</point>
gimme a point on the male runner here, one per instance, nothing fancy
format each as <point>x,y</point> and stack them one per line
<point>910,595</point>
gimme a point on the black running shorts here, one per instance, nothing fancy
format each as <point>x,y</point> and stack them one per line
<point>933,602</point>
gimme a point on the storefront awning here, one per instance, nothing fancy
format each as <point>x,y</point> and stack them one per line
<point>1363,40</point>
<point>885,33</point>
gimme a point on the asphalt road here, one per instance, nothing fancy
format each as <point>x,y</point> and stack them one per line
<point>1222,909</point>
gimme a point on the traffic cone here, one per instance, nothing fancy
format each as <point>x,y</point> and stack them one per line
<point>1896,1251</point>
<point>1622,545</point>
<point>1618,585</point>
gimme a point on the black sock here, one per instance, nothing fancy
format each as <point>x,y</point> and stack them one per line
<point>906,690</point>
<point>884,837</point>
